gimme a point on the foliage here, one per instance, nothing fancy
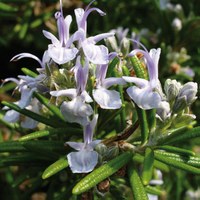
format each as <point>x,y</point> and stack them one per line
<point>142,151</point>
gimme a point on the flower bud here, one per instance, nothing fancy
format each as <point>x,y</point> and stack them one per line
<point>101,149</point>
<point>111,43</point>
<point>171,88</point>
<point>178,8</point>
<point>163,111</point>
<point>180,104</point>
<point>125,46</point>
<point>177,24</point>
<point>112,151</point>
<point>189,91</point>
<point>186,96</point>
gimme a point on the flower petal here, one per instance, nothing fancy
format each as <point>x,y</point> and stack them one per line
<point>94,53</point>
<point>11,116</point>
<point>76,111</point>
<point>101,36</point>
<point>71,93</point>
<point>79,12</point>
<point>108,82</point>
<point>145,98</point>
<point>89,130</point>
<point>81,75</point>
<point>12,80</point>
<point>27,55</point>
<point>155,55</point>
<point>92,144</point>
<point>60,54</point>
<point>107,99</point>
<point>82,161</point>
<point>29,123</point>
<point>81,16</point>
<point>138,81</point>
<point>76,145</point>
<point>26,95</point>
<point>51,37</point>
<point>86,97</point>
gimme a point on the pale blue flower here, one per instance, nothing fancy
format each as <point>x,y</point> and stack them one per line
<point>107,99</point>
<point>61,50</point>
<point>97,54</point>
<point>146,94</point>
<point>26,85</point>
<point>35,106</point>
<point>26,101</point>
<point>77,110</point>
<point>13,116</point>
<point>86,158</point>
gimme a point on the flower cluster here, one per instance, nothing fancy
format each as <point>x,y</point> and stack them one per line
<point>74,73</point>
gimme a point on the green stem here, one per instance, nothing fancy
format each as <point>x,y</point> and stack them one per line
<point>143,124</point>
<point>151,118</point>
<point>123,112</point>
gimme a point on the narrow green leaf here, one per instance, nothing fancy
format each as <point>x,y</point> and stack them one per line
<point>35,135</point>
<point>157,164</point>
<point>7,86</point>
<point>151,118</point>
<point>125,70</point>
<point>191,133</point>
<point>101,173</point>
<point>176,150</point>
<point>154,190</point>
<point>111,66</point>
<point>44,133</point>
<point>173,134</point>
<point>23,30</point>
<point>7,8</point>
<point>37,145</point>
<point>44,146</point>
<point>190,160</point>
<point>136,184</point>
<point>54,109</point>
<point>177,163</point>
<point>55,168</point>
<point>28,72</point>
<point>147,171</point>
<point>121,91</point>
<point>11,146</point>
<point>33,115</point>
<point>123,112</point>
<point>138,68</point>
<point>29,159</point>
